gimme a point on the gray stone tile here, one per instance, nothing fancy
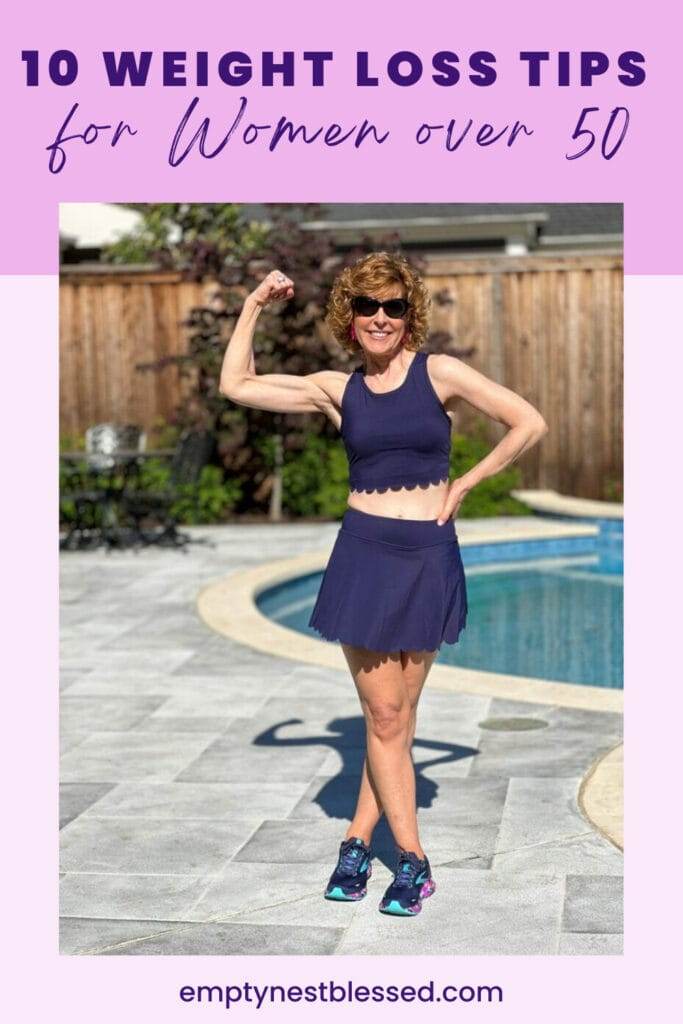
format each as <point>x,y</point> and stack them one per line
<point>226,704</point>
<point>538,753</point>
<point>111,713</point>
<point>152,846</point>
<point>346,762</point>
<point>164,660</point>
<point>312,911</point>
<point>133,897</point>
<point>214,724</point>
<point>227,761</point>
<point>204,749</point>
<point>105,682</point>
<point>68,739</point>
<point>208,800</point>
<point>594,904</point>
<point>234,940</point>
<point>465,802</point>
<point>67,680</point>
<point>100,681</point>
<point>471,914</point>
<point>540,810</point>
<point>467,846</point>
<point>76,797</point>
<point>326,707</point>
<point>597,723</point>
<point>454,801</point>
<point>79,936</point>
<point>75,647</point>
<point>433,760</point>
<point>320,726</point>
<point>137,641</point>
<point>102,629</point>
<point>587,854</point>
<point>576,944</point>
<point>296,841</point>
<point>437,706</point>
<point>321,685</point>
<point>446,758</point>
<point>154,630</point>
<point>273,893</point>
<point>500,707</point>
<point>132,756</point>
<point>543,830</point>
<point>224,662</point>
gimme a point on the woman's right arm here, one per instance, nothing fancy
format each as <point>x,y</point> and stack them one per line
<point>276,392</point>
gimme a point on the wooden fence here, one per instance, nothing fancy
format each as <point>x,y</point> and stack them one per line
<point>546,326</point>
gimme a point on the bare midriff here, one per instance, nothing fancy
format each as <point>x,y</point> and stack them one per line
<point>422,502</point>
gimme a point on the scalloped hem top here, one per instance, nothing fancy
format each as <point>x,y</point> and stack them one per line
<point>395,439</point>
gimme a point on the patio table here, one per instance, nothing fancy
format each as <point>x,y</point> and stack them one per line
<point>120,465</point>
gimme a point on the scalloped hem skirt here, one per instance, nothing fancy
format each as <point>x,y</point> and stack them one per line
<point>392,585</point>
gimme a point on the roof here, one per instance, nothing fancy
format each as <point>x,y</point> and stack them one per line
<point>562,218</point>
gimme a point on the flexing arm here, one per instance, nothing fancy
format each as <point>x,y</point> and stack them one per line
<point>454,378</point>
<point>277,392</point>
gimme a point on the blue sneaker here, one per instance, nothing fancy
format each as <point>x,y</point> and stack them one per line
<point>349,879</point>
<point>412,883</point>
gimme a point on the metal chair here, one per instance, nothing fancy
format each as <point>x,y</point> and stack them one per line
<point>96,517</point>
<point>194,451</point>
<point>103,440</point>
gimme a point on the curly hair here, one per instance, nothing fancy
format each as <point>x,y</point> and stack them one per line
<point>367,276</point>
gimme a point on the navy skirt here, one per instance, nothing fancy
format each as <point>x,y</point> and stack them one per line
<point>392,585</point>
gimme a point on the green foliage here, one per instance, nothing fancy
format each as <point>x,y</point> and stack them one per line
<point>71,442</point>
<point>162,434</point>
<point>491,497</point>
<point>315,480</point>
<point>613,489</point>
<point>333,492</point>
<point>210,500</point>
<point>182,234</point>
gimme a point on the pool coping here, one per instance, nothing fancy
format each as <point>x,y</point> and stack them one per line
<point>566,505</point>
<point>600,797</point>
<point>228,606</point>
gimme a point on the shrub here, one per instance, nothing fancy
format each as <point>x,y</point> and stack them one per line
<point>315,479</point>
<point>210,500</point>
<point>490,497</point>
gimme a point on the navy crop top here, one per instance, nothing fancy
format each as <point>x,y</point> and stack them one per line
<point>400,438</point>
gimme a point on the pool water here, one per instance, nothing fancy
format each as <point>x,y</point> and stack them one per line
<point>550,618</point>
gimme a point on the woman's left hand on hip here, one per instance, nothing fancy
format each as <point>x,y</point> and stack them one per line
<point>451,507</point>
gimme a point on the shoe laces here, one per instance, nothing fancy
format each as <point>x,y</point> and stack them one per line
<point>350,855</point>
<point>407,870</point>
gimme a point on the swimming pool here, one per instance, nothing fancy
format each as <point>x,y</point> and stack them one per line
<point>550,609</point>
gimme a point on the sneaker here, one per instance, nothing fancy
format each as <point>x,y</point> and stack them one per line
<point>349,878</point>
<point>412,883</point>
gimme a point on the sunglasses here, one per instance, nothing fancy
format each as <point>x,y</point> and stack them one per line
<point>395,309</point>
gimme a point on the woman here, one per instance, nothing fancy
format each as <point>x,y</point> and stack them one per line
<point>394,588</point>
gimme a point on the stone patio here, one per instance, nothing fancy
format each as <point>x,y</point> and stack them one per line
<point>205,786</point>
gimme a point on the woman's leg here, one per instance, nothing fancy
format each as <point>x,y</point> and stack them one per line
<point>389,688</point>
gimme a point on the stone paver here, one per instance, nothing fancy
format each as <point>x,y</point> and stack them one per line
<point>476,913</point>
<point>131,897</point>
<point>206,786</point>
<point>594,904</point>
<point>232,940</point>
<point>155,846</point>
